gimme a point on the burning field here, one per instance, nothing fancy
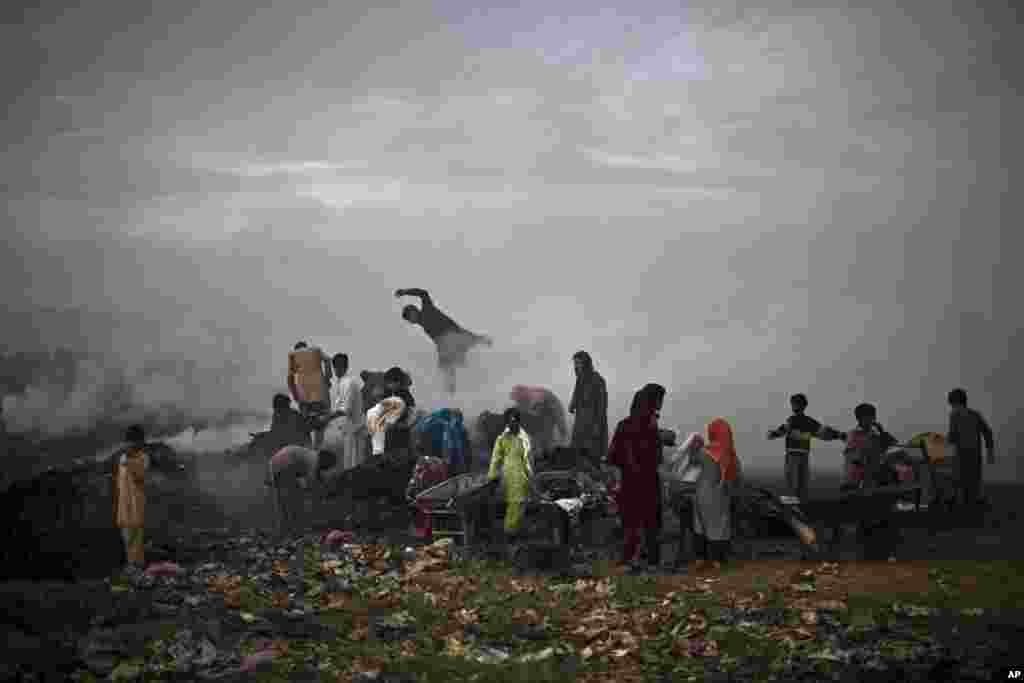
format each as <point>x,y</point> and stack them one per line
<point>223,599</point>
<point>355,596</point>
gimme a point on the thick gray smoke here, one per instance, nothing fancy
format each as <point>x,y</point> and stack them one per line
<point>165,395</point>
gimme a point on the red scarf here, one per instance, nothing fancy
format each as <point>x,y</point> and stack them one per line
<point>720,447</point>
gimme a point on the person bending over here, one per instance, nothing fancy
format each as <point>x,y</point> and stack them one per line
<point>293,471</point>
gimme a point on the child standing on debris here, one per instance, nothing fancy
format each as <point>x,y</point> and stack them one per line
<point>130,494</point>
<point>510,461</point>
<point>967,429</point>
<point>799,428</point>
<point>865,445</point>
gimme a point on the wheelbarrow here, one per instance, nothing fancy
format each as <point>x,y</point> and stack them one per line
<point>756,512</point>
<point>470,509</point>
<point>444,506</point>
<point>873,509</point>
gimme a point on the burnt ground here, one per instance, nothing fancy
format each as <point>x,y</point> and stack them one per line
<point>193,527</point>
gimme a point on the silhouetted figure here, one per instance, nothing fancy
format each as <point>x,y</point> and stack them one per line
<point>866,444</point>
<point>287,426</point>
<point>589,405</point>
<point>799,428</point>
<point>967,429</point>
<point>453,341</point>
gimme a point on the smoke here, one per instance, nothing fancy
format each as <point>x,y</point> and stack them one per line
<point>49,407</point>
<point>235,483</point>
<point>214,440</point>
<point>91,393</point>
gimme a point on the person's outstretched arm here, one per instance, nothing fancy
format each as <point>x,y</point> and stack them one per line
<point>827,433</point>
<point>953,433</point>
<point>292,387</point>
<point>421,294</point>
<point>602,403</point>
<point>986,434</point>
<point>326,366</point>
<point>561,421</point>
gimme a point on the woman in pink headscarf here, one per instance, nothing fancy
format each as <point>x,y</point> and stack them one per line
<point>712,519</point>
<point>544,417</point>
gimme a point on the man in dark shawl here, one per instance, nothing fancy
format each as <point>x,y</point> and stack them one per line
<point>453,341</point>
<point>634,449</point>
<point>589,405</point>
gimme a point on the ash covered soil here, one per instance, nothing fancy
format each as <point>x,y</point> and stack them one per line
<point>226,599</point>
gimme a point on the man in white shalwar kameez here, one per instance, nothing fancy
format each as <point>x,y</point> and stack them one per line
<point>346,432</point>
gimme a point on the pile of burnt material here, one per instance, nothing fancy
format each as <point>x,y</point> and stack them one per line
<point>59,522</point>
<point>44,539</point>
<point>381,478</point>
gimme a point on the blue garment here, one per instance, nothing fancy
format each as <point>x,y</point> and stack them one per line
<point>447,435</point>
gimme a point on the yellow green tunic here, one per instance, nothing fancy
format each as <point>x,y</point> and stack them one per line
<point>512,455</point>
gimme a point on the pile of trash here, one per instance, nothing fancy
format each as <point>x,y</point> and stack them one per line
<point>252,603</point>
<point>218,620</point>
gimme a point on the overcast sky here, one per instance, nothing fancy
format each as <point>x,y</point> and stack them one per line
<point>738,202</point>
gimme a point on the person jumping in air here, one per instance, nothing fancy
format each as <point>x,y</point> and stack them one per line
<point>453,341</point>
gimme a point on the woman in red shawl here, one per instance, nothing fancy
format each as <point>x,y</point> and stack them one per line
<point>712,519</point>
<point>634,449</point>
